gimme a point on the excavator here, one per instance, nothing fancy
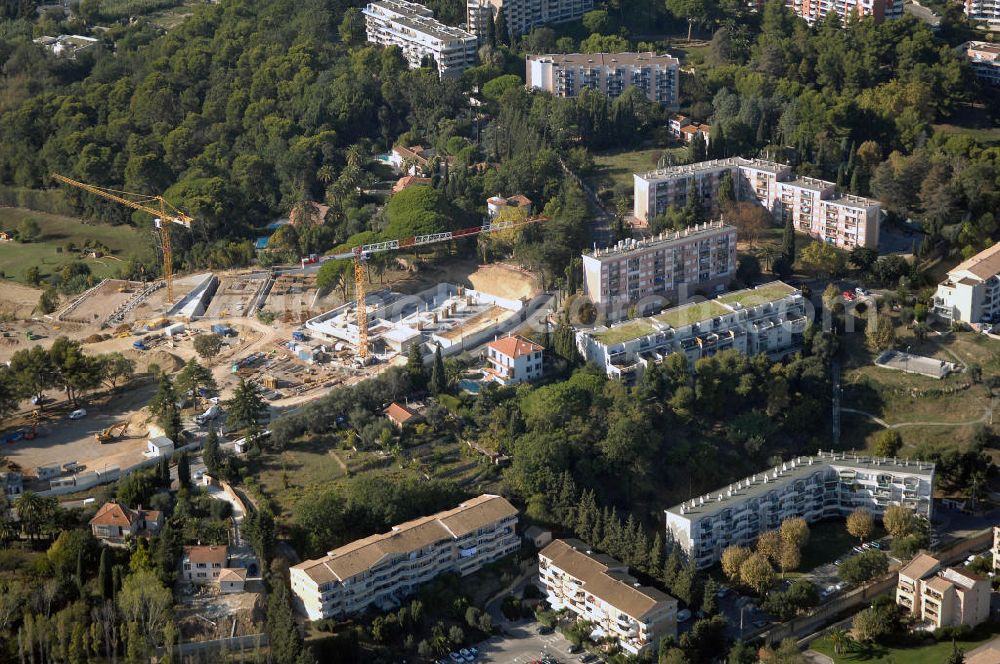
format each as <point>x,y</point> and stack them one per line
<point>116,430</point>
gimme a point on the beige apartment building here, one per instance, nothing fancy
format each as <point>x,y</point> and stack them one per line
<point>413,28</point>
<point>567,75</point>
<point>522,15</point>
<point>971,291</point>
<point>701,258</point>
<point>598,588</point>
<point>384,568</point>
<point>942,597</point>
<point>815,206</point>
<point>984,58</point>
<point>815,10</point>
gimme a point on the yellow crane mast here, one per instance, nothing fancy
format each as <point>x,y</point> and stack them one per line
<point>165,213</point>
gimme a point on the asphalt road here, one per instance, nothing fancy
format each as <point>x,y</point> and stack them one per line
<point>522,644</point>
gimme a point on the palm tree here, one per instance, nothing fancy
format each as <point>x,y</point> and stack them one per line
<point>767,254</point>
<point>840,640</point>
<point>29,511</point>
<point>355,157</point>
<point>326,174</point>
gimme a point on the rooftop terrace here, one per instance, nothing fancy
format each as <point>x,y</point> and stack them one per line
<point>626,331</point>
<point>692,313</point>
<point>752,297</point>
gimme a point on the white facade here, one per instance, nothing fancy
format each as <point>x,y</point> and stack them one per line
<point>812,487</point>
<point>985,60</point>
<point>513,359</point>
<point>383,569</point>
<point>699,258</point>
<point>768,319</point>
<point>815,206</point>
<point>971,291</point>
<point>159,446</point>
<point>567,75</point>
<point>523,15</point>
<point>598,588</point>
<point>985,12</point>
<point>815,10</point>
<point>413,28</point>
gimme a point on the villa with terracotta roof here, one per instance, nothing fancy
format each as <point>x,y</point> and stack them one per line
<point>513,359</point>
<point>383,569</point>
<point>598,588</point>
<point>496,204</point>
<point>412,160</point>
<point>942,597</point>
<point>971,291</point>
<point>408,181</point>
<point>401,415</point>
<point>115,523</point>
<point>677,122</point>
<point>203,564</point>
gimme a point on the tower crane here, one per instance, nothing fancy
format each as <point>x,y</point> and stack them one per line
<point>166,213</point>
<point>361,253</point>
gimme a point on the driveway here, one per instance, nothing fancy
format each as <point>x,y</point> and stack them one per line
<point>522,644</point>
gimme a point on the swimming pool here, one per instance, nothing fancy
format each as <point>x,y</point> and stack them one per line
<point>470,386</point>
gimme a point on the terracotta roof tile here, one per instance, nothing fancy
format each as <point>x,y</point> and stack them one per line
<point>514,346</point>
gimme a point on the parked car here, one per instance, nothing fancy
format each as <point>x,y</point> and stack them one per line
<point>466,655</point>
<point>474,650</point>
<point>848,295</point>
<point>78,414</point>
<point>876,544</point>
<point>683,614</point>
<point>455,657</point>
<point>862,292</point>
<point>545,629</point>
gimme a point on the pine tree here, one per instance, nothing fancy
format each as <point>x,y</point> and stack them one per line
<point>566,502</point>
<point>641,549</point>
<point>491,32</point>
<point>282,632</point>
<point>105,580</point>
<point>500,28</point>
<point>672,567</point>
<point>694,211</point>
<point>210,453</point>
<point>439,382</point>
<point>788,242</point>
<point>164,408</point>
<point>727,190</point>
<point>586,516</point>
<point>183,471</point>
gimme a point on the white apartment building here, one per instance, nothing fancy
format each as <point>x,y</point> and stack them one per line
<point>413,28</point>
<point>384,568</point>
<point>996,548</point>
<point>523,15</point>
<point>598,588</point>
<point>815,10</point>
<point>768,319</point>
<point>971,291</point>
<point>813,487</point>
<point>816,207</point>
<point>698,258</point>
<point>513,359</point>
<point>984,58</point>
<point>985,12</point>
<point>942,597</point>
<point>567,75</point>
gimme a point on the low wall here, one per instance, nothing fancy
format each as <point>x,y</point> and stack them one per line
<point>245,642</point>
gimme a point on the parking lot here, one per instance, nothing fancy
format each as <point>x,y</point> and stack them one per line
<point>522,644</point>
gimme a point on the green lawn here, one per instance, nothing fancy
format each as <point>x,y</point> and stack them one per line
<point>57,231</point>
<point>613,170</point>
<point>633,329</point>
<point>763,293</point>
<point>692,313</point>
<point>877,654</point>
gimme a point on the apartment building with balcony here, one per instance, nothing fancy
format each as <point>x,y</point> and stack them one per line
<point>382,569</point>
<point>513,359</point>
<point>567,75</point>
<point>698,258</point>
<point>598,588</point>
<point>413,28</point>
<point>815,10</point>
<point>815,487</point>
<point>522,15</point>
<point>815,206</point>
<point>970,292</point>
<point>984,58</point>
<point>942,597</point>
<point>984,12</point>
<point>768,319</point>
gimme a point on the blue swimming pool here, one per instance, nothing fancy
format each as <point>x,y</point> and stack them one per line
<point>470,386</point>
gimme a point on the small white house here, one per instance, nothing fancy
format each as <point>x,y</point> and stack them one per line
<point>159,446</point>
<point>232,580</point>
<point>513,359</point>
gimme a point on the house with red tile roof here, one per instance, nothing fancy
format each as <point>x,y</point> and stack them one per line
<point>115,523</point>
<point>513,359</point>
<point>401,416</point>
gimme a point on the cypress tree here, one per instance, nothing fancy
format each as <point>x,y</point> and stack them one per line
<point>183,471</point>
<point>105,579</point>
<point>282,632</point>
<point>210,453</point>
<point>788,242</point>
<point>500,29</point>
<point>163,472</point>
<point>79,572</point>
<point>855,185</point>
<point>671,567</point>
<point>439,382</point>
<point>655,558</point>
<point>415,368</point>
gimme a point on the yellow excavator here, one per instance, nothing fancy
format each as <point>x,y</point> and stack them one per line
<point>116,430</point>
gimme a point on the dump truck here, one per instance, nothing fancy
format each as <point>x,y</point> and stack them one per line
<point>116,430</point>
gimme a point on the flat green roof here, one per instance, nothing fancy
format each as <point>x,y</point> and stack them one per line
<point>633,329</point>
<point>760,295</point>
<point>692,313</point>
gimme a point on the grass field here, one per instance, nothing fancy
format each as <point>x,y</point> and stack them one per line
<point>876,654</point>
<point>899,398</point>
<point>613,170</point>
<point>57,231</point>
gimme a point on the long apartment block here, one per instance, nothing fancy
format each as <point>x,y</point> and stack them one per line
<point>984,12</point>
<point>812,487</point>
<point>699,258</point>
<point>768,319</point>
<point>984,58</point>
<point>598,588</point>
<point>567,75</point>
<point>383,569</point>
<point>815,206</point>
<point>523,15</point>
<point>815,10</point>
<point>413,28</point>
